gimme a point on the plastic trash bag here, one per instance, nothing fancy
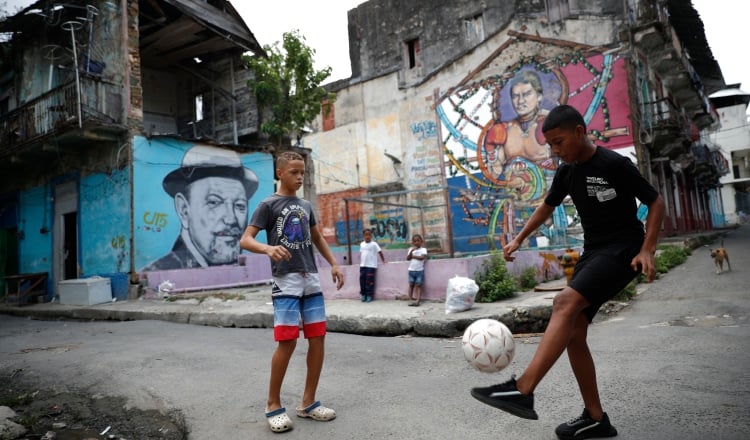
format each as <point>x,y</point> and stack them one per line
<point>165,287</point>
<point>460,294</point>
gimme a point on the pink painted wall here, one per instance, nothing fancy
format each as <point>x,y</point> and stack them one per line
<point>391,280</point>
<point>251,269</point>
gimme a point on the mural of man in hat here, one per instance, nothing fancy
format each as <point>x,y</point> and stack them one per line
<point>211,190</point>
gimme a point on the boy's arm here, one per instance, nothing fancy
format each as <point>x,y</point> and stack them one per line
<point>382,257</point>
<point>644,261</point>
<point>249,243</point>
<point>325,251</point>
<point>541,213</point>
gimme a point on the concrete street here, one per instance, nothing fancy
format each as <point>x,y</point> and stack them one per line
<point>672,365</point>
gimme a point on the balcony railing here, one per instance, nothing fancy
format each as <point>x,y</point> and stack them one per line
<point>663,114</point>
<point>58,108</point>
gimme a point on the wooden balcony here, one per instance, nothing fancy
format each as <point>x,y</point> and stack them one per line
<point>60,111</point>
<point>667,126</point>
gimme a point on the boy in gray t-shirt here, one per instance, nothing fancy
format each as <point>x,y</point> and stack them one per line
<point>292,232</point>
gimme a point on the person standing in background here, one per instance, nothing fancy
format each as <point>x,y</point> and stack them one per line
<point>368,265</point>
<point>416,257</point>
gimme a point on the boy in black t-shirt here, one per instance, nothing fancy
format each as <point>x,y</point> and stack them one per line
<point>291,232</point>
<point>603,186</point>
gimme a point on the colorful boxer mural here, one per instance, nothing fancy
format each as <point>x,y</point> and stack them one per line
<point>498,162</point>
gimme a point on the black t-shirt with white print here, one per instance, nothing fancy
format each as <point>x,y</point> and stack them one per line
<point>604,190</point>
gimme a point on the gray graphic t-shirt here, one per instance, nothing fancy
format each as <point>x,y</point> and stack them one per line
<point>287,222</point>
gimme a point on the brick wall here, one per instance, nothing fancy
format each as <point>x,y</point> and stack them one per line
<point>332,215</point>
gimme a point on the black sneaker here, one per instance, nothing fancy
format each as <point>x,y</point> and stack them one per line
<point>505,396</point>
<point>584,426</point>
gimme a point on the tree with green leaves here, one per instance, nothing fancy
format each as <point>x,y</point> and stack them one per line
<point>287,86</point>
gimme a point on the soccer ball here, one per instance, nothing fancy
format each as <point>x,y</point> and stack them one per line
<point>488,345</point>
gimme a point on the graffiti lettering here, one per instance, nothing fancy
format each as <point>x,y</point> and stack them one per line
<point>155,219</point>
<point>118,242</point>
<point>424,129</point>
<point>355,229</point>
<point>391,228</point>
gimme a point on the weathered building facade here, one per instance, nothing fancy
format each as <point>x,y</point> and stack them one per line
<point>114,115</point>
<point>439,124</point>
<point>731,142</point>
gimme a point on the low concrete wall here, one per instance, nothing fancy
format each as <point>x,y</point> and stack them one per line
<point>251,269</point>
<point>391,281</point>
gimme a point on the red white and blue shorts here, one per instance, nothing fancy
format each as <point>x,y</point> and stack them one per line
<point>298,298</point>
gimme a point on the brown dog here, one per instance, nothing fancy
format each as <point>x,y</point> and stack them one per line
<point>720,255</point>
<point>568,262</point>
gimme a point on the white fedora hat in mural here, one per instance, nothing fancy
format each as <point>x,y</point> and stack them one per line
<point>202,161</point>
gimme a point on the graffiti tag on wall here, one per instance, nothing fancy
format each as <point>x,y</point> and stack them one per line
<point>389,226</point>
<point>154,221</point>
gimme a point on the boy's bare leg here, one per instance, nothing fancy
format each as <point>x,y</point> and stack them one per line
<point>583,367</point>
<point>411,292</point>
<point>279,364</point>
<point>419,293</point>
<point>315,357</point>
<point>566,310</point>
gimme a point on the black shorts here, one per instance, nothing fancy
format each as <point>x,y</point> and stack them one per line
<point>603,272</point>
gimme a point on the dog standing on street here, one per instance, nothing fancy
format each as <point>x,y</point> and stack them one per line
<point>720,255</point>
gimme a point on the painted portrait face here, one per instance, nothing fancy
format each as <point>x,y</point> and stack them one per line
<point>525,100</point>
<point>215,215</point>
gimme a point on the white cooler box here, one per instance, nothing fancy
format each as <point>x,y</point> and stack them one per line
<point>85,291</point>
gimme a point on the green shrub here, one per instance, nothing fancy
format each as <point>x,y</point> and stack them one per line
<point>494,280</point>
<point>528,278</point>
<point>669,257</point>
<point>628,291</point>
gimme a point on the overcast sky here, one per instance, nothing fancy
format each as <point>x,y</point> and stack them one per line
<point>324,25</point>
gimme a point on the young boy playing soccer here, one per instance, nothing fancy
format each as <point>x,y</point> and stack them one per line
<point>291,231</point>
<point>603,186</point>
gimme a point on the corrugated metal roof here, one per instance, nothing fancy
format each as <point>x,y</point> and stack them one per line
<point>689,27</point>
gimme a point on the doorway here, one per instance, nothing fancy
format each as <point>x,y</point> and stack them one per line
<point>65,240</point>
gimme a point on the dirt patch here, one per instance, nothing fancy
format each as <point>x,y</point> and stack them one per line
<point>76,415</point>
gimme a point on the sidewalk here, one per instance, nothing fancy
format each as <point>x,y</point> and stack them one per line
<point>527,312</point>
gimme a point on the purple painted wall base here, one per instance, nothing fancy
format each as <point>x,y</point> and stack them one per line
<point>252,269</point>
<point>391,281</point>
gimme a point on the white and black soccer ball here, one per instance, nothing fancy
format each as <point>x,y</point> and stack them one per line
<point>488,345</point>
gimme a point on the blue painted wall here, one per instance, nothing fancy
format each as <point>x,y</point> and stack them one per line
<point>34,247</point>
<point>104,219</point>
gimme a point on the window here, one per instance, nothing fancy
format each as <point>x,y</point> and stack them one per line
<point>198,108</point>
<point>412,53</point>
<point>474,29</point>
<point>329,120</point>
<point>557,10</point>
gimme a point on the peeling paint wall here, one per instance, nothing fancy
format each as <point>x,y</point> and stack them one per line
<point>439,131</point>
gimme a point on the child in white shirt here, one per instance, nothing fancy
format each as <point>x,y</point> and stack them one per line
<point>416,256</point>
<point>368,265</point>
